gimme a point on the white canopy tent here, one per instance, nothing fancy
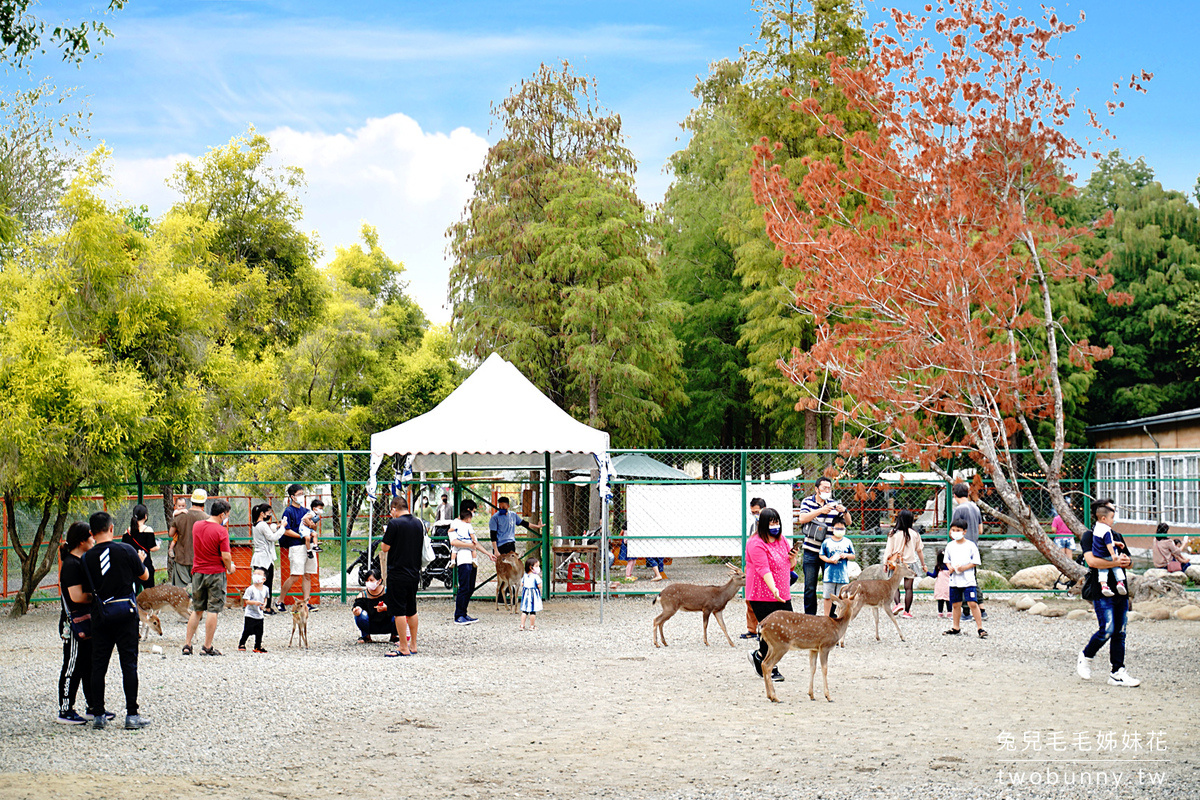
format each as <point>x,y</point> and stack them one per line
<point>497,419</point>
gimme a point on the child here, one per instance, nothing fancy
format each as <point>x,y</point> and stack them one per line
<point>962,557</point>
<point>312,521</point>
<point>941,584</point>
<point>254,599</point>
<point>835,552</point>
<point>531,593</point>
<point>1103,546</point>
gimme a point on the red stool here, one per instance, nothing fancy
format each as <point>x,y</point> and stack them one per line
<point>581,582</point>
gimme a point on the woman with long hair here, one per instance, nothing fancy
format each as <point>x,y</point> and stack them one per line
<point>265,534</point>
<point>76,602</point>
<point>907,542</point>
<point>140,537</point>
<point>769,563</point>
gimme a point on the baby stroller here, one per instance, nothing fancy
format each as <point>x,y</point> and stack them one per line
<point>360,564</point>
<point>440,568</point>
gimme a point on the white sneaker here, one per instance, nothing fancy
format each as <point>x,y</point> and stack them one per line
<point>1083,666</point>
<point>1123,678</point>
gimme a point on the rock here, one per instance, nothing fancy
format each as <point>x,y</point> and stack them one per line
<point>925,583</point>
<point>1040,577</point>
<point>1079,613</point>
<point>1023,603</point>
<point>1037,608</point>
<point>1162,574</point>
<point>1012,544</point>
<point>1154,611</point>
<point>990,579</point>
<point>1133,616</point>
<point>1187,612</point>
<point>853,570</point>
<point>1193,572</point>
<point>1143,588</point>
<point>1054,611</point>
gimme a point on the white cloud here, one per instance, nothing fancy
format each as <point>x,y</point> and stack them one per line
<point>408,183</point>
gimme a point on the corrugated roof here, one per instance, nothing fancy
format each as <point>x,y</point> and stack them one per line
<point>1158,420</point>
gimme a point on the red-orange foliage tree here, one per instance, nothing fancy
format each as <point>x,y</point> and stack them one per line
<point>939,249</point>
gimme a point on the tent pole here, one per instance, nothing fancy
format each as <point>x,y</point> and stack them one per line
<point>603,560</point>
<point>547,555</point>
<point>454,481</point>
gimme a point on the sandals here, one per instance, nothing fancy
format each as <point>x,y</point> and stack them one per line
<point>187,649</point>
<point>210,651</point>
<point>396,654</point>
<point>982,633</point>
<point>361,640</point>
<point>952,632</point>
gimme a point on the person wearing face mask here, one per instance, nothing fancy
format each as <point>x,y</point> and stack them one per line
<point>77,605</point>
<point>503,527</point>
<point>371,613</point>
<point>757,504</point>
<point>962,557</point>
<point>265,534</point>
<point>254,599</point>
<point>815,518</point>
<point>769,562</point>
<point>966,510</point>
<point>836,550</point>
<point>213,562</point>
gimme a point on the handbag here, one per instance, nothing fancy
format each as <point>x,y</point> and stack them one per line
<point>80,623</point>
<point>427,554</point>
<point>1174,566</point>
<point>814,531</point>
<point>1091,586</point>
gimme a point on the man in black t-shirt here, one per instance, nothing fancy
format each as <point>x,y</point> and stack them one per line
<point>112,568</point>
<point>1111,612</point>
<point>400,555</point>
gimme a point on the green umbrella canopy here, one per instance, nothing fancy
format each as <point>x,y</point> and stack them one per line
<point>639,466</point>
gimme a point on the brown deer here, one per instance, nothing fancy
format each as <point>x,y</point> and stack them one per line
<point>709,600</point>
<point>149,601</point>
<point>787,630</point>
<point>299,624</point>
<point>509,571</point>
<point>877,594</point>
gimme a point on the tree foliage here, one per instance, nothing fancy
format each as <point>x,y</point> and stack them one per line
<point>945,247</point>
<point>23,35</point>
<point>551,264</point>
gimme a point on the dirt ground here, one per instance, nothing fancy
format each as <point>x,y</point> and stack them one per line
<point>580,709</point>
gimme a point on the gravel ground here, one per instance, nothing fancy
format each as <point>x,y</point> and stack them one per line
<point>580,709</point>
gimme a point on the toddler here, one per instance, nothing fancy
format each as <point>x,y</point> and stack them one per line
<point>941,584</point>
<point>531,593</point>
<point>312,524</point>
<point>835,552</point>
<point>255,598</point>
<point>1104,546</point>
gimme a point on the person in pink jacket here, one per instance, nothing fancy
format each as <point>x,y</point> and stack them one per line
<point>769,563</point>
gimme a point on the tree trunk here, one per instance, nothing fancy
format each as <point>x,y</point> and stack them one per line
<point>33,569</point>
<point>810,429</point>
<point>827,431</point>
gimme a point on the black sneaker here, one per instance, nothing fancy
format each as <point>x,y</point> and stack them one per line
<point>135,722</point>
<point>775,676</point>
<point>92,715</point>
<point>99,721</point>
<point>756,660</point>
<point>70,718</point>
<point>313,609</point>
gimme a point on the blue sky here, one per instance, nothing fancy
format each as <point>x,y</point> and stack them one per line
<point>386,104</point>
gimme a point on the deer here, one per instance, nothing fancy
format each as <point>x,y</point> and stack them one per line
<point>299,624</point>
<point>877,594</point>
<point>708,600</point>
<point>783,631</point>
<point>509,571</point>
<point>149,601</point>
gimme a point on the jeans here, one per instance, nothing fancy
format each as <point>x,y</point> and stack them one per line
<point>123,636</point>
<point>466,586</point>
<point>1110,614</point>
<point>812,567</point>
<point>363,621</point>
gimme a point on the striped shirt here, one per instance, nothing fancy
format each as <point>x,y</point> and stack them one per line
<point>814,503</point>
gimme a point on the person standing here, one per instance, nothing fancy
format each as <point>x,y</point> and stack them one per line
<point>213,563</point>
<point>1111,612</point>
<point>140,537</point>
<point>757,504</point>
<point>76,602</point>
<point>255,600</point>
<point>292,543</point>
<point>815,519</point>
<point>503,527</point>
<point>444,512</point>
<point>962,559</point>
<point>400,557</point>
<point>465,545</point>
<point>769,562</point>
<point>968,512</point>
<point>179,552</point>
<point>111,568</point>
<point>906,542</point>
<point>264,535</point>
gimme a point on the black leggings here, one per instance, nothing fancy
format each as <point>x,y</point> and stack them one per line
<point>270,583</point>
<point>943,605</point>
<point>252,627</point>
<point>908,593</point>
<point>76,670</point>
<point>762,609</point>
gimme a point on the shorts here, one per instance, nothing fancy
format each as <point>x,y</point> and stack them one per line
<point>299,562</point>
<point>208,592</point>
<point>401,598</point>
<point>831,589</point>
<point>507,547</point>
<point>179,575</point>
<point>964,594</point>
<point>1065,542</point>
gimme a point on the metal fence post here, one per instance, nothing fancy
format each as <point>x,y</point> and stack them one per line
<point>745,510</point>
<point>547,554</point>
<point>345,517</point>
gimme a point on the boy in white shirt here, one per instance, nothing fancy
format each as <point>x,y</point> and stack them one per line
<point>465,545</point>
<point>962,557</point>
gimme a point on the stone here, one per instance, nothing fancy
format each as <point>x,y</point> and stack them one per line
<point>1037,608</point>
<point>1133,616</point>
<point>1187,612</point>
<point>1080,613</point>
<point>990,579</point>
<point>1144,588</point>
<point>1039,577</point>
<point>1023,603</point>
<point>1162,574</point>
<point>925,583</point>
<point>1054,611</point>
<point>1154,611</point>
<point>853,570</point>
<point>1193,572</point>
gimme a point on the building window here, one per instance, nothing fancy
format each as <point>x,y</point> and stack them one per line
<point>1133,483</point>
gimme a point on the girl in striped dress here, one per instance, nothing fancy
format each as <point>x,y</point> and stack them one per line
<point>531,594</point>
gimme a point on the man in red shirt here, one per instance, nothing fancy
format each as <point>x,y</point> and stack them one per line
<point>211,563</point>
